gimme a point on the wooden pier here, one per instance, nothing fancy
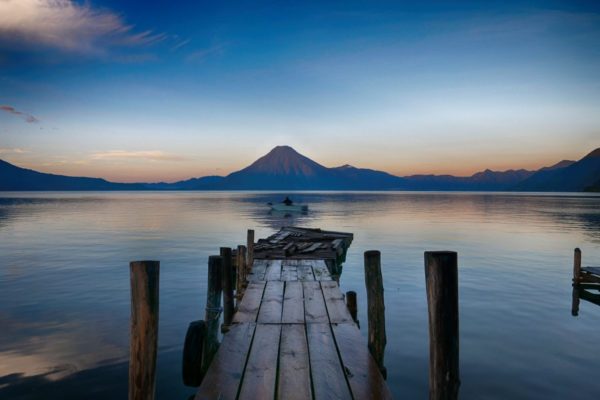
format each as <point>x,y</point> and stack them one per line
<point>292,336</point>
<point>586,283</point>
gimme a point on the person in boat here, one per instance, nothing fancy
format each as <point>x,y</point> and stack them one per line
<point>287,201</point>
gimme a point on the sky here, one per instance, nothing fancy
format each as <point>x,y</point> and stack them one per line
<point>162,90</point>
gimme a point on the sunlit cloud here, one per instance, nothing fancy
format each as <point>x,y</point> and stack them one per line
<point>143,155</point>
<point>68,26</point>
<point>8,150</point>
<point>11,110</point>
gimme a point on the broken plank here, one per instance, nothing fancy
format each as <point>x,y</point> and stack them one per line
<point>366,382</point>
<point>250,304</point>
<point>223,377</point>
<point>334,301</point>
<point>272,303</point>
<point>261,370</point>
<point>314,305</point>
<point>293,303</point>
<point>328,376</point>
<point>294,369</point>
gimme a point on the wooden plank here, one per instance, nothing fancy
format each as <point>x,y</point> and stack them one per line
<point>366,382</point>
<point>314,305</point>
<point>328,377</point>
<point>592,270</point>
<point>305,272</point>
<point>293,303</point>
<point>257,273</point>
<point>312,248</point>
<point>273,272</point>
<point>223,377</point>
<point>261,371</point>
<point>320,270</point>
<point>289,272</point>
<point>250,304</point>
<point>334,301</point>
<point>272,303</point>
<point>294,369</point>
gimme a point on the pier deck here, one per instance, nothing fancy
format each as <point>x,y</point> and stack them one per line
<point>292,336</point>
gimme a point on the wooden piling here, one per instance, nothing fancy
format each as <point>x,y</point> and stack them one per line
<point>441,279</point>
<point>250,250</point>
<point>375,307</point>
<point>241,271</point>
<point>351,304</point>
<point>144,277</point>
<point>577,267</point>
<point>227,284</point>
<point>213,310</point>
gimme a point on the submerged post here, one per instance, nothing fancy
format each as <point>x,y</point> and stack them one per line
<point>441,279</point>
<point>375,307</point>
<point>577,267</point>
<point>241,271</point>
<point>213,310</point>
<point>250,246</point>
<point>351,304</point>
<point>144,277</point>
<point>227,284</point>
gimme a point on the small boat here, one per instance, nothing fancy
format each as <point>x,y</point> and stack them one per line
<point>289,208</point>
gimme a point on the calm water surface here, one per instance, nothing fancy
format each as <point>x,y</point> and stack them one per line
<point>64,284</point>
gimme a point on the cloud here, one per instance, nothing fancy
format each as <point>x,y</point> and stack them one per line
<point>68,26</point>
<point>8,150</point>
<point>11,110</point>
<point>200,55</point>
<point>128,155</point>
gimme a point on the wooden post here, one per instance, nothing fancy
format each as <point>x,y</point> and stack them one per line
<point>351,304</point>
<point>250,247</point>
<point>441,279</point>
<point>577,267</point>
<point>375,307</point>
<point>241,271</point>
<point>144,276</point>
<point>227,284</point>
<point>213,310</point>
<point>575,301</point>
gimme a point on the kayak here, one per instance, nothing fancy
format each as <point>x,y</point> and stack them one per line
<point>291,208</point>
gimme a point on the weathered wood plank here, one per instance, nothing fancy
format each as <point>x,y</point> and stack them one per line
<point>314,305</point>
<point>272,303</point>
<point>334,301</point>
<point>223,377</point>
<point>294,369</point>
<point>305,272</point>
<point>293,303</point>
<point>261,371</point>
<point>250,304</point>
<point>320,270</point>
<point>592,270</point>
<point>289,272</point>
<point>258,271</point>
<point>273,272</point>
<point>366,382</point>
<point>328,377</point>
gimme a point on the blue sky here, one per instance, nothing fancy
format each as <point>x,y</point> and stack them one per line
<point>163,90</point>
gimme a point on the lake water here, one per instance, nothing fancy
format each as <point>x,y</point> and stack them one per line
<point>64,284</point>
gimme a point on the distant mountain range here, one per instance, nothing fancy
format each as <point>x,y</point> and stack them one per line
<point>283,168</point>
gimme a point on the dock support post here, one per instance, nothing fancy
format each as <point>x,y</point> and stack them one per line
<point>241,271</point>
<point>577,267</point>
<point>375,307</point>
<point>351,305</point>
<point>213,310</point>
<point>144,277</point>
<point>227,284</point>
<point>441,279</point>
<point>250,247</point>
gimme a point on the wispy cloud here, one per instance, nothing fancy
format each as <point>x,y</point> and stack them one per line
<point>11,110</point>
<point>69,26</point>
<point>155,155</point>
<point>9,150</point>
<point>201,55</point>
